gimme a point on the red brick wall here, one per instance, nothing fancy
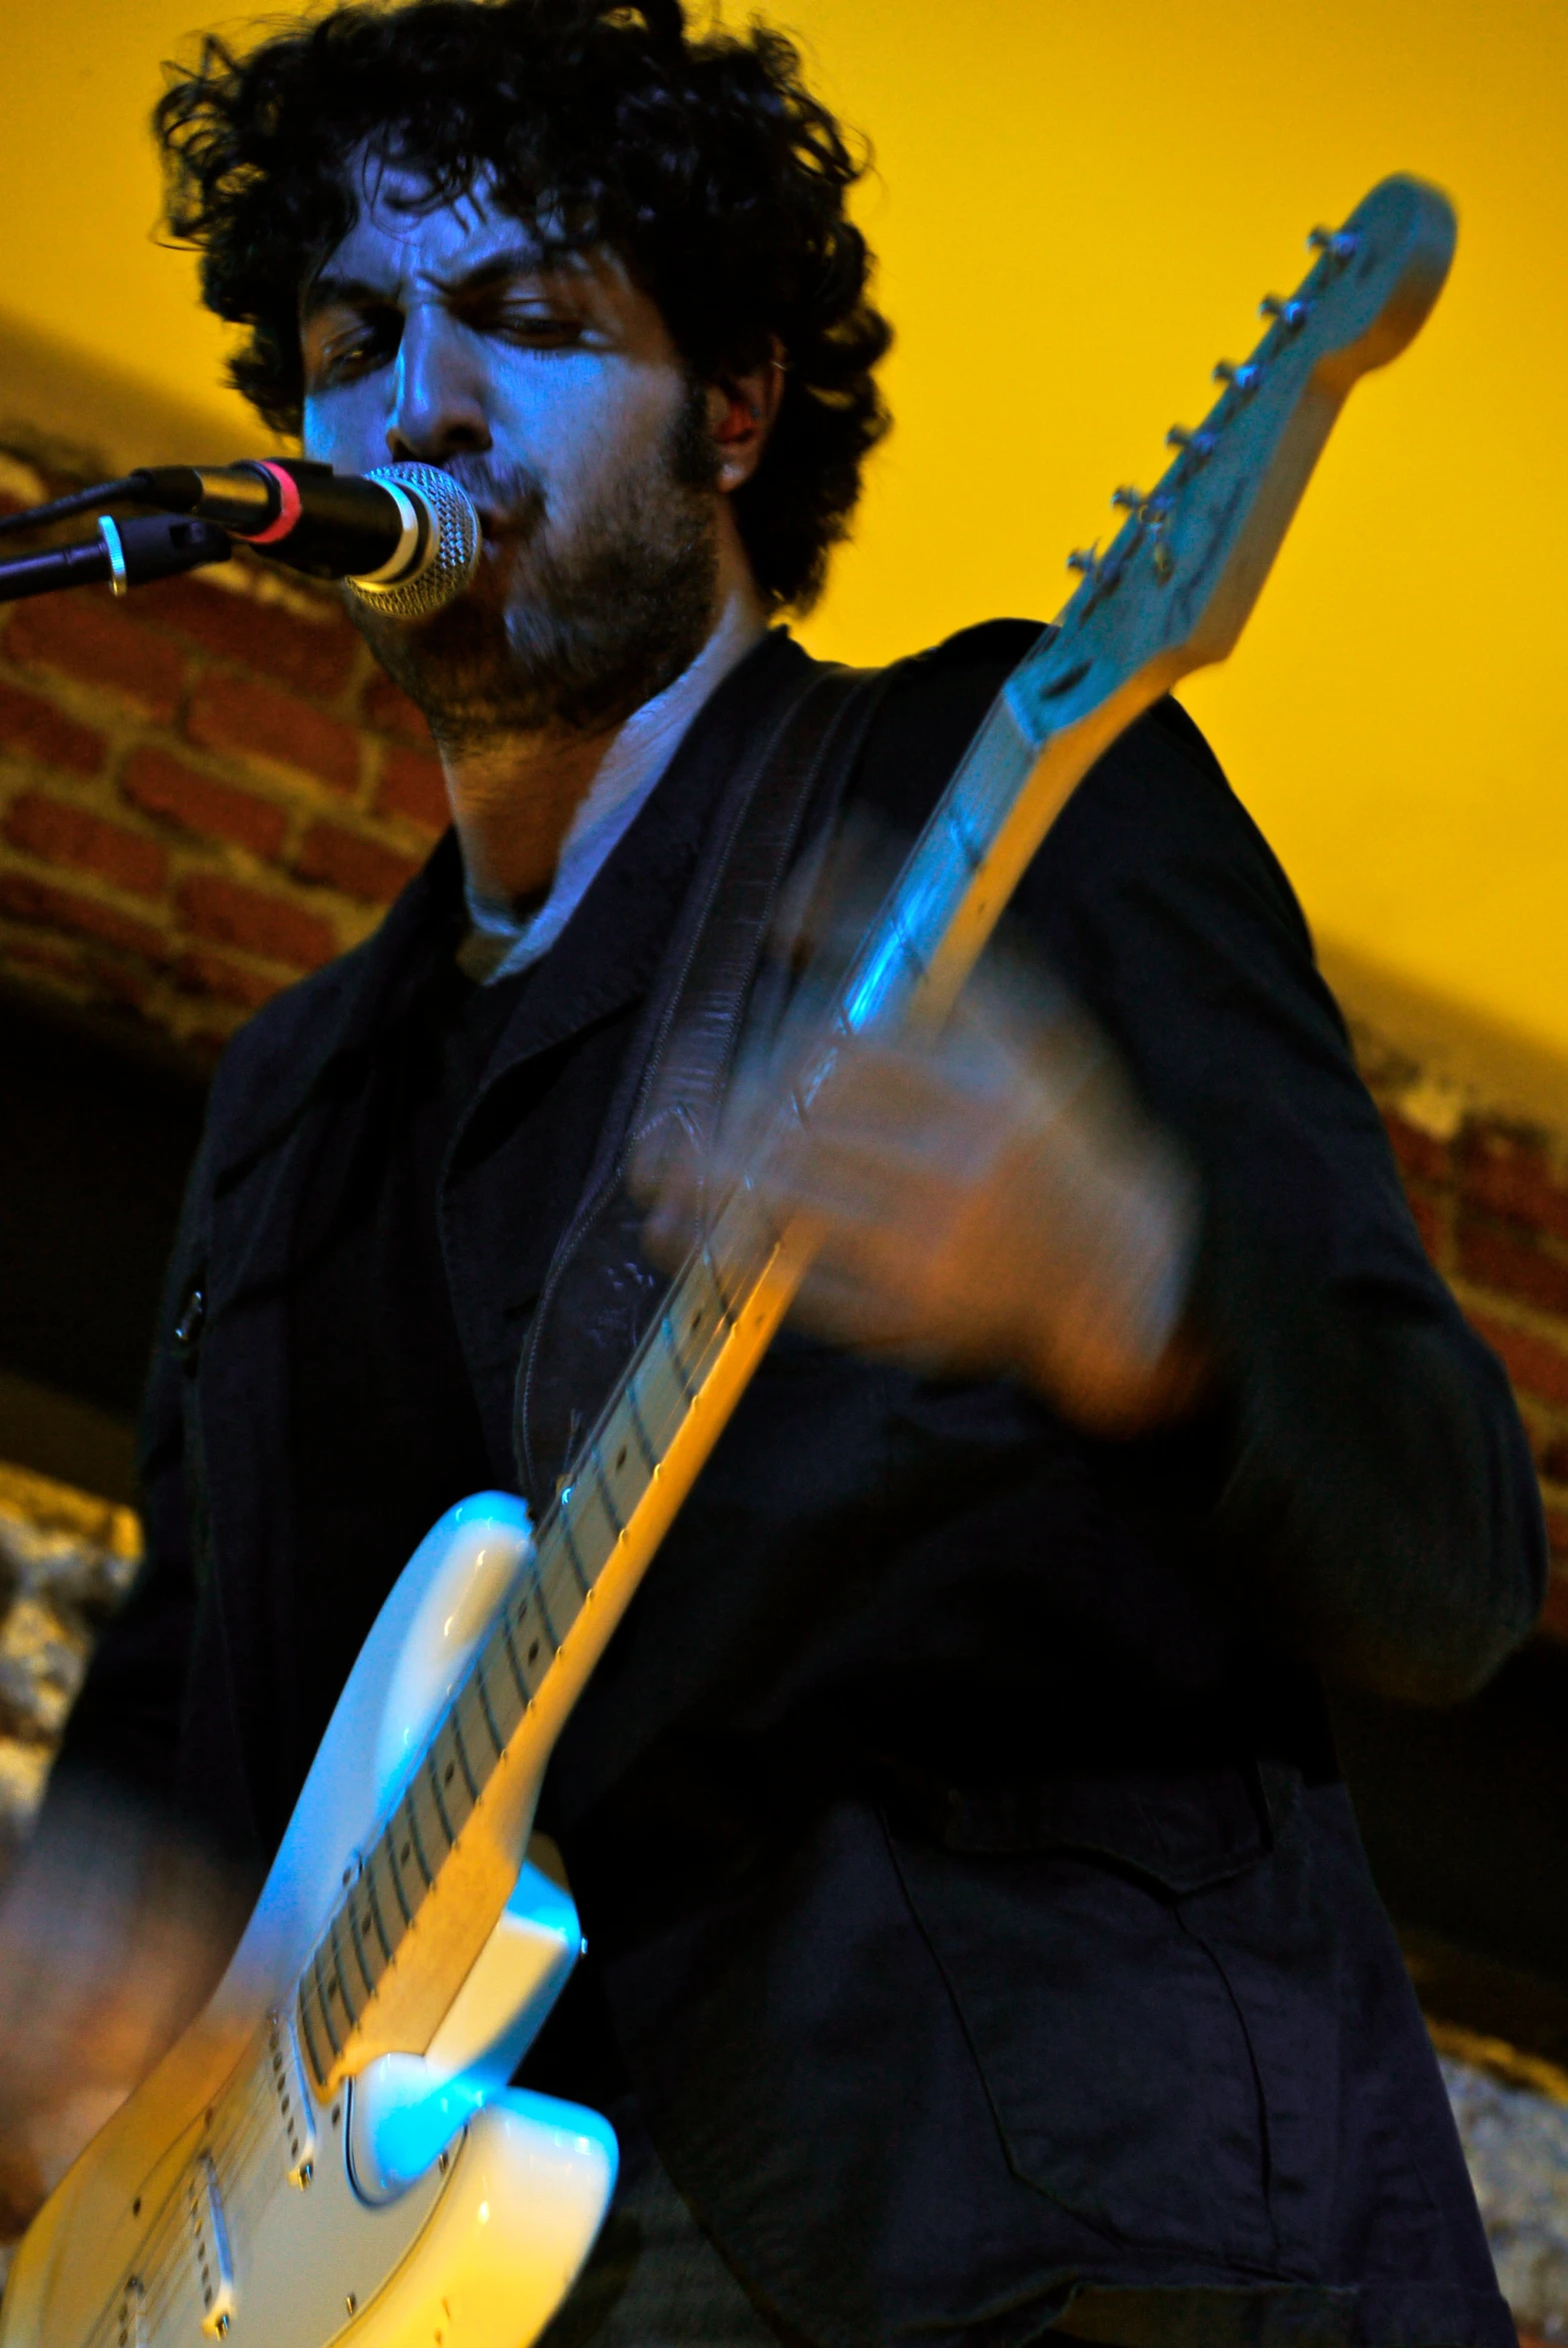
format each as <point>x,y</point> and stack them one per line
<point>1492,1203</point>
<point>205,790</point>
<point>209,788</point>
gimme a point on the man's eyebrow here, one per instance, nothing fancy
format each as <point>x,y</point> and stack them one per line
<point>357,293</point>
<point>514,261</point>
<point>354,293</point>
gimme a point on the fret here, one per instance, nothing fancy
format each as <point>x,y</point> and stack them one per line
<point>569,1535</point>
<point>415,1840</point>
<point>433,1784</point>
<point>542,1607</point>
<point>658,1392</point>
<point>673,1351</point>
<point>305,2004</point>
<point>584,1510</point>
<point>357,1942</point>
<point>493,1729</point>
<point>389,1846</point>
<point>530,1647</point>
<point>558,1582</point>
<point>638,1427</point>
<point>461,1747</point>
<point>697,1320</point>
<point>605,1492</point>
<point>337,1987</point>
<point>371,1910</point>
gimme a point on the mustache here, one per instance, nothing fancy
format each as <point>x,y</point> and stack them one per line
<point>509,498</point>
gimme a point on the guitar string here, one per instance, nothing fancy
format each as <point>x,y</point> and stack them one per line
<point>232,2149</point>
<point>723,1282</point>
<point>702,1282</point>
<point>728,1280</point>
<point>249,2131</point>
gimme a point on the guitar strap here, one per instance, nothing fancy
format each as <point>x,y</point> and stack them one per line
<point>599,1293</point>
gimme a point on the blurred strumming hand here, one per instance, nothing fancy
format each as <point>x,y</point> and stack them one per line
<point>986,1197</point>
<point>113,1934</point>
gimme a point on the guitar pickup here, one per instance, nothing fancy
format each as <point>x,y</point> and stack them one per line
<point>131,2316</point>
<point>294,2105</point>
<point>209,2244</point>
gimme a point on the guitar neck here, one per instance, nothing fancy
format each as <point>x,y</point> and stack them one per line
<point>365,1990</point>
<point>1170,595</point>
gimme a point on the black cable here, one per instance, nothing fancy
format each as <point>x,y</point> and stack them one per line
<point>102,493</point>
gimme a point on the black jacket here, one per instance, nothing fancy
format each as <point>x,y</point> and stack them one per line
<point>954,1822</point>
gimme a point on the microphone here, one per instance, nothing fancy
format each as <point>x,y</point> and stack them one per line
<point>404,539</point>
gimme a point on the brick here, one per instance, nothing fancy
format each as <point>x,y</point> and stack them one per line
<point>346,861</point>
<point>39,902</point>
<point>63,834</point>
<point>1418,1154</point>
<point>243,717</point>
<point>1505,1261</point>
<point>161,785</point>
<point>1535,1364</point>
<point>1510,1175</point>
<point>101,646</point>
<point>201,972</point>
<point>413,785</point>
<point>48,954</point>
<point>314,657</point>
<point>36,728</point>
<point>388,710</point>
<point>229,913</point>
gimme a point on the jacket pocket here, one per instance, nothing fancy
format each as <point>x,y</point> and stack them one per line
<point>1147,1989</point>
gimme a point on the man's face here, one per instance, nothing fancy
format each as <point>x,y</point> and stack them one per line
<point>558,400</point>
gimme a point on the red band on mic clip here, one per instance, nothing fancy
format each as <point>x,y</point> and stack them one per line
<point>289,512</point>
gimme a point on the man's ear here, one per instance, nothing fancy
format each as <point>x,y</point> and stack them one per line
<point>740,413</point>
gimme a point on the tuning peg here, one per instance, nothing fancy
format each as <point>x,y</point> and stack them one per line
<point>1201,444</point>
<point>1338,243</point>
<point>1085,559</point>
<point>1130,501</point>
<point>1291,314</point>
<point>1241,379</point>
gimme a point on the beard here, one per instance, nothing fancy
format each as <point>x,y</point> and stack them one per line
<point>568,634</point>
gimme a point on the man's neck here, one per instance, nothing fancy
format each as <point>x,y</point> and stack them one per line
<point>518,799</point>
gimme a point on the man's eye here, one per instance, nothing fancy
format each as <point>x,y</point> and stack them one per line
<point>537,330</point>
<point>354,350</point>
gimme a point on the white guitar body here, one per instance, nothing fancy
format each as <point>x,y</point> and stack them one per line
<point>426,2204</point>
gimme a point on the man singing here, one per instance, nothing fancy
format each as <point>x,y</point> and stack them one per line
<point>980,1940</point>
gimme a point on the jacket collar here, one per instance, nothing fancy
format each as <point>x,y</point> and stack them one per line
<point>604,958</point>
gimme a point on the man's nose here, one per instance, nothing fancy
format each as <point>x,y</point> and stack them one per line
<point>439,407</point>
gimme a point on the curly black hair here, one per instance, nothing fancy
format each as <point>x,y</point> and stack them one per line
<point>705,162</point>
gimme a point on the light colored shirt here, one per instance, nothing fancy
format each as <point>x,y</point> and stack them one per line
<point>501,940</point>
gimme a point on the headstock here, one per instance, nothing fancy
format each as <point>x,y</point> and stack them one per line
<point>1174,588</point>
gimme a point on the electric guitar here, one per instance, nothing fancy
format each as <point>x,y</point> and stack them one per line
<point>333,2150</point>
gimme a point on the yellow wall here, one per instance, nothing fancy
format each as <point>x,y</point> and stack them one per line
<point>1079,203</point>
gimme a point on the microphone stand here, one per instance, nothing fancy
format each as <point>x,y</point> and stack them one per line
<point>126,554</point>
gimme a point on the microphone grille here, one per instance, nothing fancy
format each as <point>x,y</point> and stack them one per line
<point>449,555</point>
